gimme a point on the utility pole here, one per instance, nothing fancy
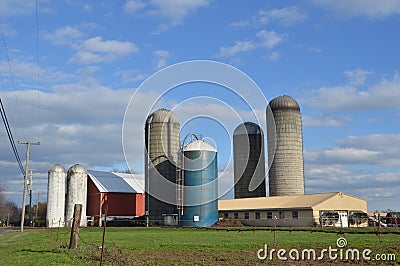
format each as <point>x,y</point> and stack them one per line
<point>28,147</point>
<point>30,198</point>
<point>37,205</point>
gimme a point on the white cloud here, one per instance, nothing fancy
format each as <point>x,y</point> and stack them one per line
<point>28,70</point>
<point>269,39</point>
<point>323,120</point>
<point>177,10</point>
<point>286,16</point>
<point>65,36</point>
<point>274,56</point>
<point>357,76</point>
<point>162,56</point>
<point>87,8</point>
<point>129,76</point>
<point>314,50</point>
<point>265,38</point>
<point>16,7</point>
<point>132,6</point>
<point>96,50</point>
<point>173,11</point>
<point>341,156</point>
<point>92,50</point>
<point>368,8</point>
<point>239,24</point>
<point>375,149</point>
<point>238,47</point>
<point>383,95</point>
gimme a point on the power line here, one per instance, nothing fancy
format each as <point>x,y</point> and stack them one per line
<point>38,66</point>
<point>11,73</point>
<point>10,137</point>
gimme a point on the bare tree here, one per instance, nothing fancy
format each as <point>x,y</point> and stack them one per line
<point>9,212</point>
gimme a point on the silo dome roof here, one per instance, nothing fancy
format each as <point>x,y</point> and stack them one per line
<point>77,168</point>
<point>247,128</point>
<point>162,116</point>
<point>199,145</point>
<point>58,168</point>
<point>284,102</point>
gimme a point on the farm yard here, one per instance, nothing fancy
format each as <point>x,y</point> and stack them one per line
<point>192,246</point>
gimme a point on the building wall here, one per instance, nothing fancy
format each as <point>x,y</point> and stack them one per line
<point>119,204</point>
<point>342,202</point>
<point>339,202</point>
<point>140,204</point>
<point>93,199</point>
<point>271,217</point>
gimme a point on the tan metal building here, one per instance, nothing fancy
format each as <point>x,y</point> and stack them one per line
<point>296,210</point>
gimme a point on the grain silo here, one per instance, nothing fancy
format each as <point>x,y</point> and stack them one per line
<point>249,161</point>
<point>200,184</point>
<point>57,178</point>
<point>162,145</point>
<point>285,147</point>
<point>76,193</point>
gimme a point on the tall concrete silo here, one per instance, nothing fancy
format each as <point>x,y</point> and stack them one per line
<point>249,161</point>
<point>285,147</point>
<point>55,214</point>
<point>162,131</point>
<point>76,193</point>
<point>200,172</point>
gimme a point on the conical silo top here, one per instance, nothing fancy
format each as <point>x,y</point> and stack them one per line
<point>284,102</point>
<point>57,168</point>
<point>248,128</point>
<point>162,116</point>
<point>199,145</point>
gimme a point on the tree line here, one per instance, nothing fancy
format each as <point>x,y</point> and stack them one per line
<point>10,214</point>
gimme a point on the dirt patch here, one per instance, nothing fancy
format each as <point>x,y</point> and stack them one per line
<point>228,223</point>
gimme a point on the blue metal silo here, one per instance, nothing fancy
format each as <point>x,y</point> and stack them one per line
<point>200,193</point>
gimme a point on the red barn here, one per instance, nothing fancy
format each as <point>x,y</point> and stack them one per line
<point>123,194</point>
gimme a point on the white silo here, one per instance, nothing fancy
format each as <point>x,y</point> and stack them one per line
<point>76,193</point>
<point>56,196</point>
<point>285,147</point>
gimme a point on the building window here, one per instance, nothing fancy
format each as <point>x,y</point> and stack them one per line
<point>295,215</point>
<point>257,215</point>
<point>226,215</point>
<point>269,215</point>
<point>236,215</point>
<point>246,215</point>
<point>281,215</point>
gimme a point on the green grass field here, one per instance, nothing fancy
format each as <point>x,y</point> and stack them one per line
<point>169,246</point>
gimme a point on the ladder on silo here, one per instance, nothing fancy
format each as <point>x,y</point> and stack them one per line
<point>179,184</point>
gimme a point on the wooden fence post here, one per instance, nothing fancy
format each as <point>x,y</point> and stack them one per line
<point>73,242</point>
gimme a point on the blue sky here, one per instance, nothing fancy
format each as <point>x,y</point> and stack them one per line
<point>74,76</point>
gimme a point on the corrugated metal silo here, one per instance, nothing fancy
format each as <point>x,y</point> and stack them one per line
<point>162,132</point>
<point>285,147</point>
<point>76,193</point>
<point>57,178</point>
<point>249,161</point>
<point>200,184</point>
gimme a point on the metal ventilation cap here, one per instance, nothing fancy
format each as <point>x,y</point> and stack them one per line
<point>284,102</point>
<point>162,116</point>
<point>57,168</point>
<point>247,128</point>
<point>199,145</point>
